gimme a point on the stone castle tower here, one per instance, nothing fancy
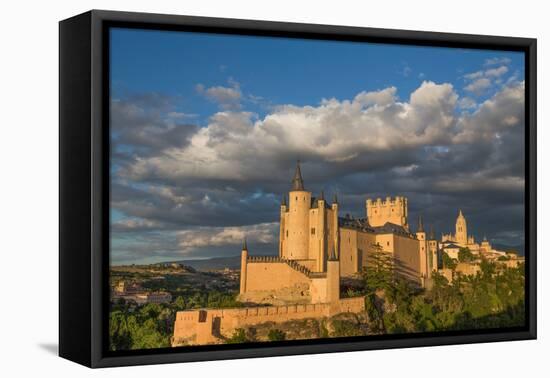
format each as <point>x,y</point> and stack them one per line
<point>461,232</point>
<point>421,236</point>
<point>433,248</point>
<point>391,210</point>
<point>308,226</point>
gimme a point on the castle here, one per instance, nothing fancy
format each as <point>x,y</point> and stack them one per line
<point>317,248</point>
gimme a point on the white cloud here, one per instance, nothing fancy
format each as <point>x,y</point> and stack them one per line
<point>478,86</point>
<point>333,131</point>
<point>263,233</point>
<point>496,72</point>
<point>480,81</point>
<point>497,61</point>
<point>494,116</point>
<point>132,224</point>
<point>467,103</point>
<point>474,75</point>
<point>226,97</point>
<point>237,146</point>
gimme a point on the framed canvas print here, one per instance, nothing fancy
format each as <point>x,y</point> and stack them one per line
<point>233,188</point>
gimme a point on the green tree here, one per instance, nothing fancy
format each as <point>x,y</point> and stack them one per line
<point>276,335</point>
<point>448,262</point>
<point>238,337</point>
<point>465,255</point>
<point>179,303</point>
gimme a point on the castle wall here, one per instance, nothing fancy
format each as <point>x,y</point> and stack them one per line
<point>272,276</point>
<point>209,326</point>
<point>408,258</point>
<point>333,281</point>
<point>354,249</point>
<point>406,252</point>
<point>318,290</point>
<point>395,211</point>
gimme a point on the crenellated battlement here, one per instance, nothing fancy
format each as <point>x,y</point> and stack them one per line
<point>212,326</point>
<point>294,264</point>
<point>393,210</point>
<point>388,201</point>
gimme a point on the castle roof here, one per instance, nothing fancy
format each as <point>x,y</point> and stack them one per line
<point>451,246</point>
<point>332,256</point>
<point>392,228</point>
<point>297,181</point>
<point>315,203</point>
<point>432,232</point>
<point>420,224</point>
<point>363,225</point>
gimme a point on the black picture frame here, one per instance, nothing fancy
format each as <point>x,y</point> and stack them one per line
<point>84,186</point>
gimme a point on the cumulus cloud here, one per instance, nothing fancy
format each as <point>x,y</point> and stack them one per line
<point>215,184</point>
<point>263,233</point>
<point>496,72</point>
<point>225,97</point>
<point>497,61</point>
<point>480,81</point>
<point>467,103</point>
<point>478,86</point>
<point>234,143</point>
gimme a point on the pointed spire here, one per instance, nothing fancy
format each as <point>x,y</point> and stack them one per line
<point>283,201</point>
<point>432,232</point>
<point>245,248</point>
<point>460,213</point>
<point>332,256</point>
<point>335,200</point>
<point>297,181</point>
<point>322,196</point>
<point>420,224</point>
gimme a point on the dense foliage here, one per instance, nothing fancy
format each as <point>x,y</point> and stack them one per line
<point>151,325</point>
<point>276,335</point>
<point>493,298</point>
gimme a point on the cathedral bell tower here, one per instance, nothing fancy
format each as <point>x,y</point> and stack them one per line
<point>461,234</point>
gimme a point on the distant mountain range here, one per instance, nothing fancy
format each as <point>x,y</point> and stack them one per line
<point>231,262</point>
<point>214,263</point>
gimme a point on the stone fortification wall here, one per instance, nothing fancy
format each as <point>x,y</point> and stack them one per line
<point>211,326</point>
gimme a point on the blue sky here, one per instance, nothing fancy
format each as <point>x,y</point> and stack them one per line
<point>205,130</point>
<point>281,70</point>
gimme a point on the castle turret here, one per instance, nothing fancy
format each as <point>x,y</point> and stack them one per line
<point>318,234</point>
<point>433,248</point>
<point>282,227</point>
<point>244,259</point>
<point>335,232</point>
<point>423,247</point>
<point>333,278</point>
<point>296,232</point>
<point>297,181</point>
